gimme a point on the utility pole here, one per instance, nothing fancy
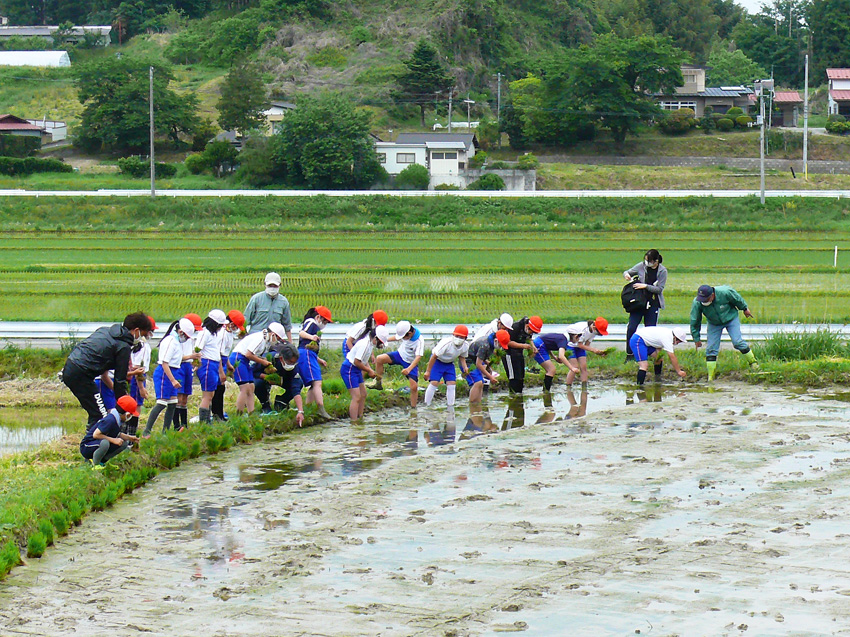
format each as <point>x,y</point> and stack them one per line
<point>761,86</point>
<point>806,122</point>
<point>451,94</point>
<point>468,103</point>
<point>499,98</point>
<point>153,163</point>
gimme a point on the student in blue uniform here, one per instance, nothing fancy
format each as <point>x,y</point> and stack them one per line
<point>441,365</point>
<point>168,377</point>
<point>309,363</point>
<point>553,342</point>
<point>211,370</point>
<point>362,328</point>
<point>104,439</point>
<point>252,349</point>
<point>411,347</point>
<point>181,415</point>
<point>478,362</point>
<point>355,363</point>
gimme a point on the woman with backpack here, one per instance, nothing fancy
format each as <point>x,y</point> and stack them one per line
<point>650,277</point>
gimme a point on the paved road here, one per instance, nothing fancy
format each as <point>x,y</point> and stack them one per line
<point>555,194</point>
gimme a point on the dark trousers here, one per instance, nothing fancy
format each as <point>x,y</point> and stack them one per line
<point>649,318</point>
<point>85,390</point>
<point>515,369</point>
<point>217,406</point>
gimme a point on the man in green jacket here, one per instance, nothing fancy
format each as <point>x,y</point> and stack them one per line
<point>720,307</point>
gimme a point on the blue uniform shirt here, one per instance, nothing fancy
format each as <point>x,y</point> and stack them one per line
<point>311,327</point>
<point>553,341</point>
<point>109,425</point>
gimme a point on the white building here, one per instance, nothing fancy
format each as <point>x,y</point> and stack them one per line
<point>839,91</point>
<point>274,115</point>
<point>445,155</point>
<point>35,58</point>
<point>58,131</point>
<point>74,34</point>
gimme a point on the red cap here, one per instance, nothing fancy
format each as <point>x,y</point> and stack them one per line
<point>325,313</point>
<point>235,316</point>
<point>503,338</point>
<point>128,404</point>
<point>153,323</point>
<point>536,324</point>
<point>601,325</point>
<point>461,330</point>
<point>380,317</point>
<point>196,320</point>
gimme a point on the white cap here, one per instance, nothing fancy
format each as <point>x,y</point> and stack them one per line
<point>273,278</point>
<point>402,328</point>
<point>681,333</point>
<point>218,316</point>
<point>187,327</point>
<point>382,333</point>
<point>277,329</point>
<point>507,320</point>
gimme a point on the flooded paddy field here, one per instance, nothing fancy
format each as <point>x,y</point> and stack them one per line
<point>668,511</point>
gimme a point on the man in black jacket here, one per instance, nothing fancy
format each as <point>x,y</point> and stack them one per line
<point>107,348</point>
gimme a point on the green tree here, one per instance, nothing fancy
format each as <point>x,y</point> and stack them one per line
<point>424,76</point>
<point>538,123</point>
<point>829,21</point>
<point>221,156</point>
<point>773,42</point>
<point>612,82</point>
<point>243,99</point>
<point>731,68</point>
<point>325,143</point>
<point>114,94</point>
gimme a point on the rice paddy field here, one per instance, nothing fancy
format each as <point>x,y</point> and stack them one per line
<point>440,276</point>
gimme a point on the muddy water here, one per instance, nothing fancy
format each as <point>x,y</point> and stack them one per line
<point>704,513</point>
<point>29,427</point>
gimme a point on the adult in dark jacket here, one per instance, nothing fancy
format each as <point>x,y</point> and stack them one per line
<point>652,277</point>
<point>107,348</point>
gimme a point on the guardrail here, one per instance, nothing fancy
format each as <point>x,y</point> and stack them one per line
<point>54,334</point>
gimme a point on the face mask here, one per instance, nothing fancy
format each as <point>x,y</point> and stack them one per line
<point>182,338</point>
<point>137,339</point>
<point>706,303</point>
<point>289,368</point>
<point>272,291</point>
<point>459,341</point>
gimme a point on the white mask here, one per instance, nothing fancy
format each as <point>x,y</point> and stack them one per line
<point>289,368</point>
<point>272,291</point>
<point>459,341</point>
<point>138,339</point>
<point>706,303</point>
<point>182,338</point>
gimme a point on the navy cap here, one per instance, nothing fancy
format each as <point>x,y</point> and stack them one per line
<point>704,293</point>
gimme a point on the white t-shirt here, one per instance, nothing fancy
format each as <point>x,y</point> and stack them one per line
<point>657,337</point>
<point>210,344</point>
<point>447,352</point>
<point>171,350</point>
<point>410,349</point>
<point>582,330</point>
<point>356,330</point>
<point>255,343</point>
<point>360,351</point>
<point>485,330</point>
<point>142,358</point>
<point>227,342</point>
<point>189,346</point>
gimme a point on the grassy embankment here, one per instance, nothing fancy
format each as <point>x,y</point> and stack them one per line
<point>440,259</point>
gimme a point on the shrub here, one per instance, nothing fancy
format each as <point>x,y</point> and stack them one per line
<point>36,545</point>
<point>478,160</point>
<point>743,121</point>
<point>678,122</point>
<point>487,182</point>
<point>527,162</point>
<point>440,187</point>
<point>18,166</point>
<point>725,124</point>
<point>140,168</point>
<point>837,125</point>
<point>329,56</point>
<point>360,34</point>
<point>414,177</point>
<point>18,146</point>
<point>499,165</point>
<point>734,112</point>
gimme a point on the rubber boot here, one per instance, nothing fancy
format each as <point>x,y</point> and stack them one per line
<point>658,368</point>
<point>751,359</point>
<point>711,366</point>
<point>377,384</point>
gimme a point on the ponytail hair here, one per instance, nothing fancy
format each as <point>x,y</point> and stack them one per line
<point>170,329</point>
<point>369,328</point>
<point>212,326</point>
<point>311,314</point>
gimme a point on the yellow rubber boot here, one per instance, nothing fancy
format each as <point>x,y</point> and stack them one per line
<point>751,359</point>
<point>711,366</point>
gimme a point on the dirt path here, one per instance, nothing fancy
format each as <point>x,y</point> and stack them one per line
<point>708,513</point>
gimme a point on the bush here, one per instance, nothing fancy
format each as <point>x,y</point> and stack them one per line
<point>527,162</point>
<point>196,164</point>
<point>487,182</point>
<point>499,165</point>
<point>140,168</point>
<point>36,545</point>
<point>14,166</point>
<point>677,122</point>
<point>837,125</point>
<point>18,146</point>
<point>360,34</point>
<point>414,177</point>
<point>725,124</point>
<point>743,121</point>
<point>735,111</point>
<point>444,187</point>
<point>478,160</point>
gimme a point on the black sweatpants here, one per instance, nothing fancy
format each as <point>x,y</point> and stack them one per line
<point>83,387</point>
<point>515,369</point>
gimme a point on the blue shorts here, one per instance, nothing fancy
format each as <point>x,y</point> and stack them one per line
<point>134,391</point>
<point>106,394</point>
<point>444,371</point>
<point>542,354</point>
<point>576,352</point>
<point>242,372</point>
<point>308,366</point>
<point>162,387</point>
<point>641,350</point>
<point>188,372</point>
<point>208,374</point>
<point>352,376</point>
<point>475,376</point>
<point>396,359</point>
<point>345,349</point>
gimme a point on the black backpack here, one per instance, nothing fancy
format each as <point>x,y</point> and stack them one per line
<point>634,300</point>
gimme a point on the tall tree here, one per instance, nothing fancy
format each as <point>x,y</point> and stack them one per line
<point>114,94</point>
<point>243,99</point>
<point>424,76</point>
<point>612,81</point>
<point>829,21</point>
<point>775,43</point>
<point>727,68</point>
<point>325,143</point>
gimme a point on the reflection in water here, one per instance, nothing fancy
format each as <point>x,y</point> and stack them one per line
<point>647,394</point>
<point>15,439</point>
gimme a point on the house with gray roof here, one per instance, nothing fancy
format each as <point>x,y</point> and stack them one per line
<point>695,95</point>
<point>73,36</point>
<point>445,155</point>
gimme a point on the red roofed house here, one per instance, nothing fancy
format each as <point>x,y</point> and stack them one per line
<point>11,125</point>
<point>839,91</point>
<point>788,104</point>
